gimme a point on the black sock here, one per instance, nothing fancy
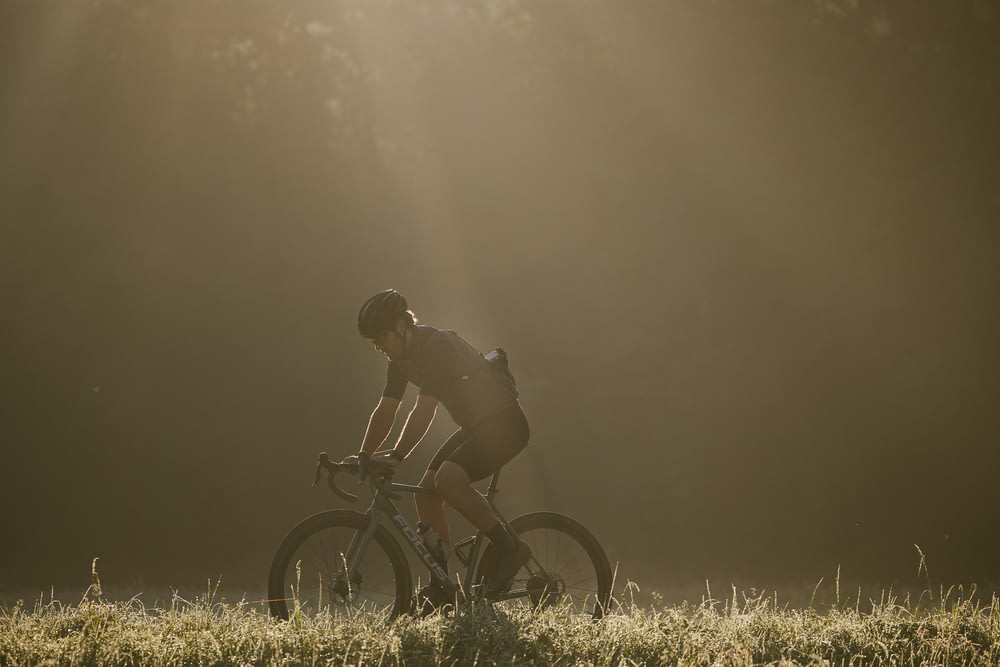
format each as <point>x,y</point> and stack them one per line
<point>500,538</point>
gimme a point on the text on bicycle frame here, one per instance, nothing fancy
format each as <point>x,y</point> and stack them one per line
<point>421,548</point>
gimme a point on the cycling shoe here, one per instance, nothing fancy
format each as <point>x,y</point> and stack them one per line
<point>432,598</point>
<point>507,566</point>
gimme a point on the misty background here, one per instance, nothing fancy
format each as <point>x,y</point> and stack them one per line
<point>742,255</point>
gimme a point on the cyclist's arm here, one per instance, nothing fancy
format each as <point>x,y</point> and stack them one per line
<point>417,423</point>
<point>380,423</point>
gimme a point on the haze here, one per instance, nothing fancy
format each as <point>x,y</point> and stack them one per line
<point>742,255</point>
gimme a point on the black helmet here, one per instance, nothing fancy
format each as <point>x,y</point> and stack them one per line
<point>380,313</point>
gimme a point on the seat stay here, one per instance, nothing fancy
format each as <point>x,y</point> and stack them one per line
<point>471,571</point>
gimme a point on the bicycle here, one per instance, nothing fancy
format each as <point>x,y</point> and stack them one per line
<point>342,561</point>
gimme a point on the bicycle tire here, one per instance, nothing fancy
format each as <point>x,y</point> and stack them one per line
<point>574,567</point>
<point>313,552</point>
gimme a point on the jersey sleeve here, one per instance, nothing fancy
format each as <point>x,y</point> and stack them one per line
<point>395,382</point>
<point>440,367</point>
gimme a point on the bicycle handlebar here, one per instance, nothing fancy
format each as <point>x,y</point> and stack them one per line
<point>363,468</point>
<point>333,468</point>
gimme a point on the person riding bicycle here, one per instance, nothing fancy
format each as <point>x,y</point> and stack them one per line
<point>480,399</point>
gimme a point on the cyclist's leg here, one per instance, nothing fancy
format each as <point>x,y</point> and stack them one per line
<point>487,449</point>
<point>454,485</point>
<point>430,508</point>
<point>481,453</point>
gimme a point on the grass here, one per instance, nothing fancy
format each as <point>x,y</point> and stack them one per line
<point>945,628</point>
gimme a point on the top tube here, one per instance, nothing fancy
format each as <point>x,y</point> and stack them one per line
<point>411,488</point>
<point>415,489</point>
<point>381,478</point>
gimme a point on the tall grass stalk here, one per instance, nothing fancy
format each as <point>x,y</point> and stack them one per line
<point>748,629</point>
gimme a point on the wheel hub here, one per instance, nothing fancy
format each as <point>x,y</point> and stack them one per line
<point>343,591</point>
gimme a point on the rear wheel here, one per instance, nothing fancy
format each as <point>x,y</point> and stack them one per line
<point>568,565</point>
<point>318,568</point>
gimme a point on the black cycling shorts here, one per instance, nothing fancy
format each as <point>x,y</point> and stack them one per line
<point>485,449</point>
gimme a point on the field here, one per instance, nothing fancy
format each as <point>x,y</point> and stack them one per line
<point>946,627</point>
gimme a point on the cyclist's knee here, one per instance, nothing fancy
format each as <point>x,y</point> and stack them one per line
<point>427,481</point>
<point>427,499</point>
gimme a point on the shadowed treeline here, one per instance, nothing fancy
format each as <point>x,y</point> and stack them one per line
<point>741,254</point>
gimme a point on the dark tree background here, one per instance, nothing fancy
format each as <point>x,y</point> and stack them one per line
<point>742,255</point>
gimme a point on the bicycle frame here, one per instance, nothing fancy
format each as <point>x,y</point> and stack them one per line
<point>382,504</point>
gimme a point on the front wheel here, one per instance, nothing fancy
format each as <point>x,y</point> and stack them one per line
<point>568,565</point>
<point>324,565</point>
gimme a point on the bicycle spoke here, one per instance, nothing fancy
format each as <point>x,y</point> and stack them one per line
<point>315,573</point>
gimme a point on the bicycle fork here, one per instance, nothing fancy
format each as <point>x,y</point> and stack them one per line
<point>348,573</point>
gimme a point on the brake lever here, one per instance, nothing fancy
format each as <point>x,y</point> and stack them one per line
<point>321,463</point>
<point>363,460</point>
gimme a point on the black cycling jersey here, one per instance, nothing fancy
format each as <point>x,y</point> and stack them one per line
<point>444,366</point>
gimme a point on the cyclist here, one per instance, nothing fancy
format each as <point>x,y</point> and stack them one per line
<point>479,398</point>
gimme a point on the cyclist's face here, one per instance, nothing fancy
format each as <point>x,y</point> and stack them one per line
<point>389,343</point>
